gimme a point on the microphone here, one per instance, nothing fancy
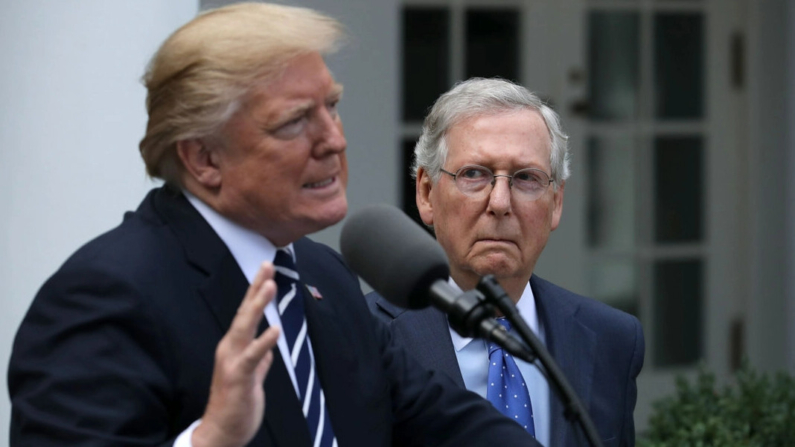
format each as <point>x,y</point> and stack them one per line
<point>409,268</point>
<point>394,255</point>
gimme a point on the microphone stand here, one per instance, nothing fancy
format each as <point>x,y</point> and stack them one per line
<point>573,409</point>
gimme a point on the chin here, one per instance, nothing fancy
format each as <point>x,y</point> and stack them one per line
<point>330,214</point>
<point>497,266</point>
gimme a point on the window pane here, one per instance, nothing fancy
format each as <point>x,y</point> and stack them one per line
<point>614,282</point>
<point>677,312</point>
<point>426,59</point>
<point>613,54</point>
<point>492,43</point>
<point>679,65</point>
<point>678,186</point>
<point>611,192</point>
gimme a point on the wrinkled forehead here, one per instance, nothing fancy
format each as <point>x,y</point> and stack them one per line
<point>303,84</point>
<point>523,125</point>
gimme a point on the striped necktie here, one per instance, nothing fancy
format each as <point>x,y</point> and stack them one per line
<point>507,389</point>
<point>290,302</point>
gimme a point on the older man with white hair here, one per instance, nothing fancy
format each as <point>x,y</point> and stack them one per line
<point>491,168</point>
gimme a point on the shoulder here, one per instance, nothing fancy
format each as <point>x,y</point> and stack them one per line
<point>137,262</point>
<point>618,336</point>
<point>137,248</point>
<point>316,255</point>
<point>324,266</point>
<point>596,315</point>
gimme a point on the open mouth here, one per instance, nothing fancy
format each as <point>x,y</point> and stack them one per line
<point>320,184</point>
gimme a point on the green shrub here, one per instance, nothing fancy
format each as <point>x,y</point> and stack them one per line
<point>757,411</point>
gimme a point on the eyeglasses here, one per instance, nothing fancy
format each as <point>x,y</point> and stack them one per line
<point>529,183</point>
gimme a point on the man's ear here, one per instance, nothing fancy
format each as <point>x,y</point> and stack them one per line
<point>424,205</point>
<point>557,210</point>
<point>200,162</point>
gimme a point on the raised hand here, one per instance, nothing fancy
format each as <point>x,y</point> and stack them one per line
<point>237,399</point>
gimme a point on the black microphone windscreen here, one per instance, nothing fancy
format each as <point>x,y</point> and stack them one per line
<point>393,254</point>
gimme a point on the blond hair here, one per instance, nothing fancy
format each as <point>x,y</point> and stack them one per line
<point>195,80</point>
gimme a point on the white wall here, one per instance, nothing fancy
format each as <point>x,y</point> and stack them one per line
<point>71,117</point>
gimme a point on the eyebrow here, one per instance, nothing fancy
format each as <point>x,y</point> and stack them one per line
<point>336,90</point>
<point>298,109</point>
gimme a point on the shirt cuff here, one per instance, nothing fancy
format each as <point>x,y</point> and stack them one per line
<point>183,440</point>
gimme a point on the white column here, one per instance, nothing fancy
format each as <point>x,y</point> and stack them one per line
<point>71,117</point>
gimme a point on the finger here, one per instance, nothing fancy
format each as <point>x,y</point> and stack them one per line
<point>260,347</point>
<point>263,367</point>
<point>264,273</point>
<point>248,318</point>
<point>251,311</point>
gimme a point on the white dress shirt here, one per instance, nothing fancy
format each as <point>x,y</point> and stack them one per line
<point>249,249</point>
<point>473,360</point>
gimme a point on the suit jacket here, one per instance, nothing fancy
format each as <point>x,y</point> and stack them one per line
<point>118,347</point>
<point>598,348</point>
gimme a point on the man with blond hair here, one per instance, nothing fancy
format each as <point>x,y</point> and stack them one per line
<point>153,333</point>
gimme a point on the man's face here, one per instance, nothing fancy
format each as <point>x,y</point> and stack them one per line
<point>500,234</point>
<point>282,156</point>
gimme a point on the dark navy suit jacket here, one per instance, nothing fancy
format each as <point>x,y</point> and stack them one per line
<point>598,348</point>
<point>118,346</point>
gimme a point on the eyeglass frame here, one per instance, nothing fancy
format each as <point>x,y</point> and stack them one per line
<point>494,177</point>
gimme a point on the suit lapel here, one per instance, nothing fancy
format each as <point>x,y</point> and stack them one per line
<point>573,346</point>
<point>224,285</point>
<point>223,290</point>
<point>426,335</point>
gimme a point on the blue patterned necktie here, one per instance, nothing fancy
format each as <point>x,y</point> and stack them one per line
<point>290,302</point>
<point>506,388</point>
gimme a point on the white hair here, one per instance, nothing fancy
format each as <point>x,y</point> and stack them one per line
<point>479,96</point>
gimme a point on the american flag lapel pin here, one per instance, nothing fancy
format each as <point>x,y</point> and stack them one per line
<point>315,293</point>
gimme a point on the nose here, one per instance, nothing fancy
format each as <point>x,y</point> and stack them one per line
<point>500,196</point>
<point>330,137</point>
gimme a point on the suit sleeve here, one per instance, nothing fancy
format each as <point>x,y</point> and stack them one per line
<point>636,364</point>
<point>429,409</point>
<point>88,367</point>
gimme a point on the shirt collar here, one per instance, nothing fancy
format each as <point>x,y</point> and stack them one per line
<point>249,248</point>
<point>526,307</point>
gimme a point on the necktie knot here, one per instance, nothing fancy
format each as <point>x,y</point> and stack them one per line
<point>286,278</point>
<point>284,264</point>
